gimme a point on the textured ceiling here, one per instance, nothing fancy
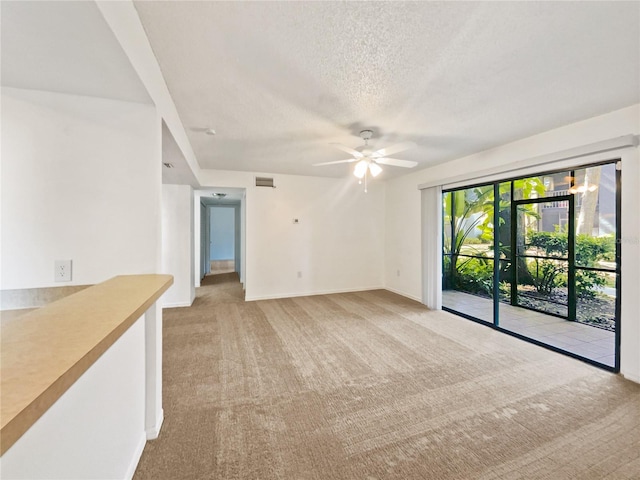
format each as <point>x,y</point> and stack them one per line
<point>65,47</point>
<point>279,81</point>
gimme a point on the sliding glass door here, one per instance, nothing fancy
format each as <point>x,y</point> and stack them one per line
<point>468,266</point>
<point>538,257</point>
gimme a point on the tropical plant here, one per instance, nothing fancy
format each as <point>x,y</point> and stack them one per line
<point>465,212</point>
<point>547,275</point>
<point>589,251</point>
<point>469,215</point>
<point>474,275</point>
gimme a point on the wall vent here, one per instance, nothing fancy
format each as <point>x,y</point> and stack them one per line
<point>264,182</point>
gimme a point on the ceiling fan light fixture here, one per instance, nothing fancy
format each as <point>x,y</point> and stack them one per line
<point>367,159</point>
<point>375,169</point>
<point>360,169</point>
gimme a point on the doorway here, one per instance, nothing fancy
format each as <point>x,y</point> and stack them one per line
<point>544,256</point>
<point>221,240</point>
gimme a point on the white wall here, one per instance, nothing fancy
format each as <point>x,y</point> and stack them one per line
<point>338,244</point>
<point>403,256</point>
<point>80,180</point>
<point>178,244</point>
<point>243,239</point>
<point>96,429</point>
<point>403,220</point>
<point>237,247</point>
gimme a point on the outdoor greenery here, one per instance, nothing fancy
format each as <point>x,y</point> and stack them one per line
<point>518,243</point>
<point>547,275</point>
<point>469,220</point>
<point>470,233</point>
<point>588,252</point>
<point>473,275</point>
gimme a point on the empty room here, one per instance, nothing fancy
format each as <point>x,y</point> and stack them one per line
<point>320,240</point>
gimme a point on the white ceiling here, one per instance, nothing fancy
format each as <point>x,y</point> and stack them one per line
<point>65,47</point>
<point>279,81</point>
<point>233,196</point>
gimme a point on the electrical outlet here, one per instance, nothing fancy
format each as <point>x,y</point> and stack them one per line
<point>62,270</point>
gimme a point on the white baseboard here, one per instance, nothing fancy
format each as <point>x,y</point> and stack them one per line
<point>136,457</point>
<point>398,292</point>
<point>154,431</point>
<point>631,378</point>
<point>309,294</point>
<point>177,304</point>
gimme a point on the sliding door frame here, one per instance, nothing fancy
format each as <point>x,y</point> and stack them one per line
<point>571,252</point>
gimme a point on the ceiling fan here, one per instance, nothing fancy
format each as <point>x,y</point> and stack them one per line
<point>369,160</point>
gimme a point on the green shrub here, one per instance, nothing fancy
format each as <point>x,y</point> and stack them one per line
<point>547,275</point>
<point>474,275</point>
<point>588,281</point>
<point>551,243</point>
<point>588,252</point>
<point>505,290</point>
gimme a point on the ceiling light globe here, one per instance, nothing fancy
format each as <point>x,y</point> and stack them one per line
<point>360,169</point>
<point>375,169</point>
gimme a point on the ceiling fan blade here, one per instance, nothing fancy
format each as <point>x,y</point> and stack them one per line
<point>396,163</point>
<point>350,150</point>
<point>337,161</point>
<point>397,148</point>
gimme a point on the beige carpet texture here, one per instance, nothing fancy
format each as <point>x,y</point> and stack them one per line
<point>372,385</point>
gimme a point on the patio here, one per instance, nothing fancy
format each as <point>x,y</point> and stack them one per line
<point>589,342</point>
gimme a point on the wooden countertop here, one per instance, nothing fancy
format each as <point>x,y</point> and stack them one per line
<point>45,351</point>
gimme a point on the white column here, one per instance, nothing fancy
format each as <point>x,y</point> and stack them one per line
<point>154,414</point>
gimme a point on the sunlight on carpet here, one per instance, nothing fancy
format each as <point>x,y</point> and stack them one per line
<point>371,385</point>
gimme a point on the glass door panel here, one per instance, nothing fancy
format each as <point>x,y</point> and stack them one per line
<point>596,314</point>
<point>467,284</point>
<point>547,291</point>
<point>542,256</point>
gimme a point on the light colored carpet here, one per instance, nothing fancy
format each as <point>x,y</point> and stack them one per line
<point>373,386</point>
<point>222,266</point>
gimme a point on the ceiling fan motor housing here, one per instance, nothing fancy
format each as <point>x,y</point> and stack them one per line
<point>365,149</point>
<point>366,134</point>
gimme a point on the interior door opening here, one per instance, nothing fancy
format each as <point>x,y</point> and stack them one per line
<point>221,242</point>
<point>222,238</point>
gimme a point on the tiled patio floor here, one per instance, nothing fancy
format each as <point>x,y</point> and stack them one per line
<point>589,342</point>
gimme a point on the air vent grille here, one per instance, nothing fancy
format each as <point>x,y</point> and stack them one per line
<point>264,182</point>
